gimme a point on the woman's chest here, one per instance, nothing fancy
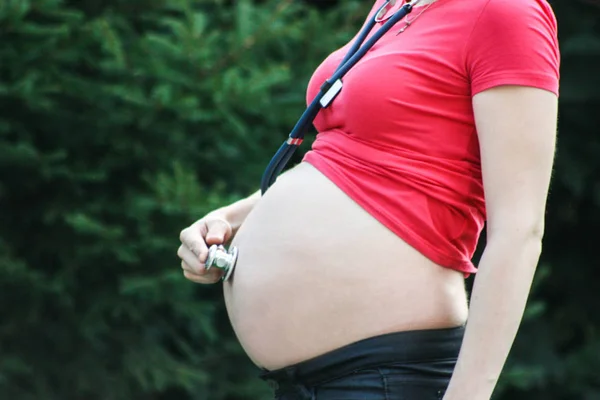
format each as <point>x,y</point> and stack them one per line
<point>408,84</point>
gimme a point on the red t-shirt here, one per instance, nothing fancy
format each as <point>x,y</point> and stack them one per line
<point>400,138</point>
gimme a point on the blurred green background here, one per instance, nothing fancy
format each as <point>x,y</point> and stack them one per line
<point>122,121</point>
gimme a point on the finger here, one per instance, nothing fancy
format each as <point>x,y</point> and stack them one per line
<point>192,239</point>
<point>212,276</point>
<point>186,267</point>
<point>191,260</point>
<point>209,275</point>
<point>219,231</point>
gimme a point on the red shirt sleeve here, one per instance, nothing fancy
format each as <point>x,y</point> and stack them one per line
<point>514,42</point>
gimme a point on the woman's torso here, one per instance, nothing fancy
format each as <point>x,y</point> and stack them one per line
<point>316,272</point>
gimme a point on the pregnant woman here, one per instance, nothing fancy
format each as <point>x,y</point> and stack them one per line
<point>349,282</point>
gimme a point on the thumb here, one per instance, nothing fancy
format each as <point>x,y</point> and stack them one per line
<point>218,230</point>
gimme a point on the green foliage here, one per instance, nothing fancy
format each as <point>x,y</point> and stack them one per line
<point>121,121</point>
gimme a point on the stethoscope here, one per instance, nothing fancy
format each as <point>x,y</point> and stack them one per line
<point>224,259</point>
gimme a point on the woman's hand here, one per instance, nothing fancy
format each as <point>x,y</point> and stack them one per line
<point>195,241</point>
<point>218,227</point>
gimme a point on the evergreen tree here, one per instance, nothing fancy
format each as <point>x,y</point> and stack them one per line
<point>122,121</point>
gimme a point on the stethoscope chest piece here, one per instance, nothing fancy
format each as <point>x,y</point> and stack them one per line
<point>220,257</point>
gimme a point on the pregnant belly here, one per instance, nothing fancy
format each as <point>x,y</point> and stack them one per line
<point>316,272</point>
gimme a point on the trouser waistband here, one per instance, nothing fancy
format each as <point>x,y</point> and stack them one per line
<point>399,347</point>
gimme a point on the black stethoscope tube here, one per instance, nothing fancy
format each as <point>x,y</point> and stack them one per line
<point>330,88</point>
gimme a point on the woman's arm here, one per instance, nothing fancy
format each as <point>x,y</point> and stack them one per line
<point>517,133</point>
<point>235,213</point>
<point>217,227</point>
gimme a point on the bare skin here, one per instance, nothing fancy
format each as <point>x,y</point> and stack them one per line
<point>316,272</point>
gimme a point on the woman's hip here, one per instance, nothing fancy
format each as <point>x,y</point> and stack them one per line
<point>411,365</point>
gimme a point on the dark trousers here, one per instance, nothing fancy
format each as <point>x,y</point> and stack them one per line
<point>413,365</point>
